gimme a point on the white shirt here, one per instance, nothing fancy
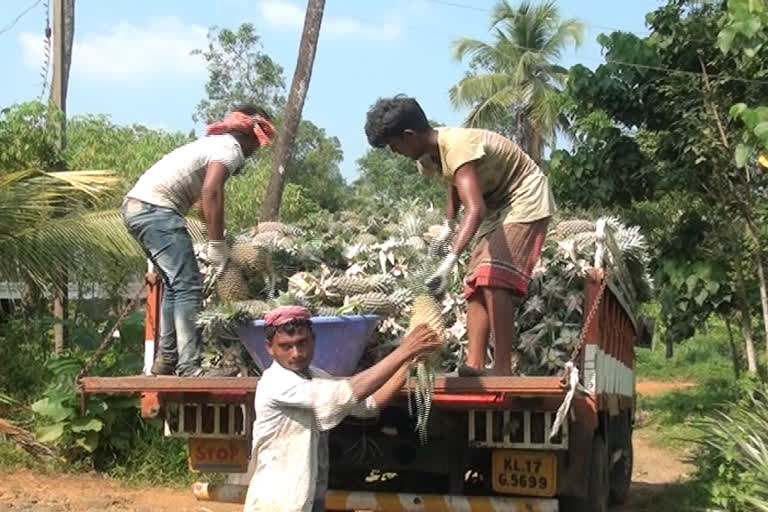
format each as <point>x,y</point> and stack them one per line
<point>293,415</point>
<point>176,180</point>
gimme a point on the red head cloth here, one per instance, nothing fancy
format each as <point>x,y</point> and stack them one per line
<point>285,314</point>
<point>255,125</point>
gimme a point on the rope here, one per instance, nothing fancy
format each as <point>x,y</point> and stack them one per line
<point>590,318</point>
<point>572,375</point>
<point>571,372</point>
<point>107,341</point>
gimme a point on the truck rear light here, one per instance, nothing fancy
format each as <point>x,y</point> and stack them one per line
<point>467,400</point>
<point>515,429</point>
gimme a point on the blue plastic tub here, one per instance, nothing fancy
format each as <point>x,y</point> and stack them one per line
<point>339,342</point>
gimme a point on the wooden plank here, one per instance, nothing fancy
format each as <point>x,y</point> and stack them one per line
<point>152,383</point>
<point>445,384</point>
<point>527,385</point>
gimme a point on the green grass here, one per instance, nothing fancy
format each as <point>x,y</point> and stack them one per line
<point>155,460</point>
<point>705,361</point>
<point>669,417</point>
<point>13,457</point>
<point>704,357</point>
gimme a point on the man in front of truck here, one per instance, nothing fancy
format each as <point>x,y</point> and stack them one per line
<point>297,404</point>
<point>507,206</point>
<point>154,210</point>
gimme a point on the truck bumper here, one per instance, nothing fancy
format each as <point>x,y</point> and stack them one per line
<point>386,502</point>
<point>393,502</point>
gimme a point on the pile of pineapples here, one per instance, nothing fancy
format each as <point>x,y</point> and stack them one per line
<point>355,263</point>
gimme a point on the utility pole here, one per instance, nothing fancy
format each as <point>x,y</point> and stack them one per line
<point>63,38</point>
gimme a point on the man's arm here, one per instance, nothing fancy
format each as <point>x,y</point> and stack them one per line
<point>395,383</point>
<point>370,407</point>
<point>333,399</point>
<point>468,190</point>
<point>420,340</point>
<point>213,199</point>
<point>451,203</point>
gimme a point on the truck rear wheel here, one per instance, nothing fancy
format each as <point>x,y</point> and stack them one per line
<point>598,483</point>
<point>621,476</point>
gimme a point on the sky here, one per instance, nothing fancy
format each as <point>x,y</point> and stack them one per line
<point>132,61</point>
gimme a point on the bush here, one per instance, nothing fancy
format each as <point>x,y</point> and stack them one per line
<point>24,348</point>
<point>732,456</point>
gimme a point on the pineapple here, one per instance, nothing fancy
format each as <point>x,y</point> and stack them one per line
<point>253,308</point>
<point>274,227</point>
<point>325,311</point>
<point>373,302</point>
<point>427,310</point>
<point>197,230</point>
<point>417,243</point>
<point>568,228</point>
<point>383,283</point>
<point>433,231</point>
<point>266,238</point>
<point>347,285</point>
<point>231,285</point>
<point>252,259</point>
<point>303,284</point>
<point>366,239</point>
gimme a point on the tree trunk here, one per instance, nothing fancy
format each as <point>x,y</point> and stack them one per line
<point>734,350</point>
<point>535,146</point>
<point>270,208</point>
<point>752,232</point>
<point>63,33</point>
<point>670,346</point>
<point>763,296</point>
<point>60,309</point>
<point>746,320</point>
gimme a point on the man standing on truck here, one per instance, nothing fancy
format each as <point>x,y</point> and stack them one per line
<point>154,210</point>
<point>507,206</point>
<point>297,404</point>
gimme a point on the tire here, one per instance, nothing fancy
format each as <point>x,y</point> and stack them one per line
<point>621,476</point>
<point>598,483</point>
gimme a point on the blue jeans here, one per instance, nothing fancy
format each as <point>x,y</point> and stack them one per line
<point>163,235</point>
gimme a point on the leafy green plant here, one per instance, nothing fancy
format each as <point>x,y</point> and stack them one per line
<point>743,35</point>
<point>68,426</point>
<point>733,457</point>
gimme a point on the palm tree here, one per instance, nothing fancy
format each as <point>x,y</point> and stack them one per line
<point>517,88</point>
<point>47,223</point>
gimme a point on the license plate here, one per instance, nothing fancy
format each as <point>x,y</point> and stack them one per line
<point>526,473</point>
<point>218,455</point>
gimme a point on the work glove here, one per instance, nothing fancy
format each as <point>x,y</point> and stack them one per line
<point>440,245</point>
<point>218,255</point>
<point>436,283</point>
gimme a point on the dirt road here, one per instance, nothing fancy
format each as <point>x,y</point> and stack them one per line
<point>655,473</point>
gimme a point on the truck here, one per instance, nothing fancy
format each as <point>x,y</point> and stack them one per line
<point>519,443</point>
